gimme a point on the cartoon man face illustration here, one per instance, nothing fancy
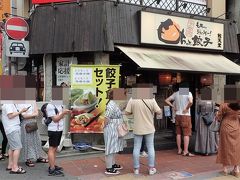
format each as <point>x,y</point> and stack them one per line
<point>169,32</point>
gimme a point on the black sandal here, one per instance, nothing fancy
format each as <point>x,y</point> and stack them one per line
<point>19,171</point>
<point>42,160</point>
<point>29,163</point>
<point>2,158</point>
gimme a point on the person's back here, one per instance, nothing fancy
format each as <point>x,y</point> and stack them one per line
<point>143,111</point>
<point>143,117</point>
<point>181,101</point>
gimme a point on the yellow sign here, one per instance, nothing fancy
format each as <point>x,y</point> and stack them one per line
<point>4,8</point>
<point>89,89</point>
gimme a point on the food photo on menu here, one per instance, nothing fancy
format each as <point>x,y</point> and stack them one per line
<point>86,116</point>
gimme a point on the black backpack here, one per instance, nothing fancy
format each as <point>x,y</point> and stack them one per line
<point>47,120</point>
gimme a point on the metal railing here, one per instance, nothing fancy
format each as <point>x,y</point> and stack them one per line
<point>172,5</point>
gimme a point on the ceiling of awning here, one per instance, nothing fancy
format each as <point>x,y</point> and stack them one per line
<point>178,60</point>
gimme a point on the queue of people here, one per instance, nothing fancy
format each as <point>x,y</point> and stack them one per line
<point>15,118</point>
<point>181,101</point>
<point>26,143</point>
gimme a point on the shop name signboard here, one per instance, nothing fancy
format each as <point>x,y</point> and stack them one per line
<point>49,1</point>
<point>177,31</point>
<point>89,88</point>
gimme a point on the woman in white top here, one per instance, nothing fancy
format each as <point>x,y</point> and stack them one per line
<point>32,148</point>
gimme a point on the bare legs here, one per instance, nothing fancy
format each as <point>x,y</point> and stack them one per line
<point>13,159</point>
<point>186,143</point>
<point>52,156</point>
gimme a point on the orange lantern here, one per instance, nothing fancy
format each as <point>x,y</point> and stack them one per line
<point>164,78</point>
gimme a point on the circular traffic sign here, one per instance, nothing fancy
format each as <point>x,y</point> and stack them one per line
<point>16,28</point>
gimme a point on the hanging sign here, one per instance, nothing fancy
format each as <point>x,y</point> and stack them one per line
<point>63,69</point>
<point>177,31</point>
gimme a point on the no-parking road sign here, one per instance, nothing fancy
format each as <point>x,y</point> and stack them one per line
<point>16,28</point>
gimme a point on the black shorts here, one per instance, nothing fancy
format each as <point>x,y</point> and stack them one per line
<point>54,138</point>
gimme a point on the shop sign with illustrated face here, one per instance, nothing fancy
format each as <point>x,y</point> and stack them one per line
<point>177,31</point>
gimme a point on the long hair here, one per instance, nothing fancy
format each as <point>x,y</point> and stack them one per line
<point>234,106</point>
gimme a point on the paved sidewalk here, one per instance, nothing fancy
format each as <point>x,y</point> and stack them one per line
<point>167,164</point>
<point>92,167</point>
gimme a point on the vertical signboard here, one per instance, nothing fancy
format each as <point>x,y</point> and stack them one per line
<point>63,69</point>
<point>89,88</point>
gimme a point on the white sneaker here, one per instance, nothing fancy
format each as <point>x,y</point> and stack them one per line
<point>136,171</point>
<point>143,154</point>
<point>152,171</point>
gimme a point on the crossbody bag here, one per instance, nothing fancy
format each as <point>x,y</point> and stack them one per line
<point>147,106</point>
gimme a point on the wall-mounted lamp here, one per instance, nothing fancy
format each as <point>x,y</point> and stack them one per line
<point>156,1</point>
<point>116,2</point>
<point>233,22</point>
<point>184,5</point>
<point>207,10</point>
<point>54,6</point>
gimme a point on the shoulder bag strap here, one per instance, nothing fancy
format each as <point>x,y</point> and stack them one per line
<point>16,107</point>
<point>147,105</point>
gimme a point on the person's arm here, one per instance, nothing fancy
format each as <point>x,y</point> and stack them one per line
<point>190,103</point>
<point>169,101</point>
<point>15,114</point>
<point>33,115</point>
<point>157,109</point>
<point>60,116</point>
<point>128,110</point>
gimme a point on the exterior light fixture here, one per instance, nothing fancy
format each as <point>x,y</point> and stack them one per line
<point>156,1</point>
<point>54,6</point>
<point>79,3</point>
<point>207,10</point>
<point>116,2</point>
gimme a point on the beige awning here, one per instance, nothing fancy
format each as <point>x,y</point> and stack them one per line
<point>162,59</point>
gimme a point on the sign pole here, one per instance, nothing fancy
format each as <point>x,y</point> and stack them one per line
<point>9,66</point>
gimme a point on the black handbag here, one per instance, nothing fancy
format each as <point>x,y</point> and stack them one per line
<point>31,126</point>
<point>208,119</point>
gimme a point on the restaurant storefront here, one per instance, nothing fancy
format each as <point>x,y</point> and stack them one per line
<point>151,46</point>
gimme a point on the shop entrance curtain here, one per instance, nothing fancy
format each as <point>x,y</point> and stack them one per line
<point>178,60</point>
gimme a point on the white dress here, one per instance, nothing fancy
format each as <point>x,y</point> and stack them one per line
<point>113,144</point>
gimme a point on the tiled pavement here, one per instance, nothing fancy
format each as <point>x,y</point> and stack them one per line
<point>167,161</point>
